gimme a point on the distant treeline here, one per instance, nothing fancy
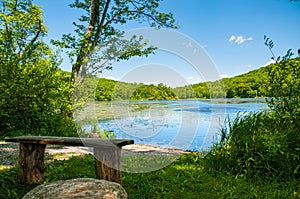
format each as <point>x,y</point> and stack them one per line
<point>108,90</point>
<point>249,85</point>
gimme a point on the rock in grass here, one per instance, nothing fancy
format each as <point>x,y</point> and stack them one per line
<point>78,188</point>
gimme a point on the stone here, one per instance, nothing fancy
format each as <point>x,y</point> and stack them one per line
<point>88,188</point>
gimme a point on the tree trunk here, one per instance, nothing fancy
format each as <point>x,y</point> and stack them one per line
<point>107,163</point>
<point>84,50</point>
<point>31,163</point>
<point>91,37</point>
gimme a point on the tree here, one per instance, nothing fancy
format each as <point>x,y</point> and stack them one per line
<point>21,29</point>
<point>284,87</point>
<point>284,101</point>
<point>97,29</point>
<point>284,84</point>
<point>33,91</point>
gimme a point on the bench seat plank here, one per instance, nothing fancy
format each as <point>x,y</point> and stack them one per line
<point>70,141</point>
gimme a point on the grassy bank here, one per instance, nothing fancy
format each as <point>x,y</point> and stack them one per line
<point>184,178</point>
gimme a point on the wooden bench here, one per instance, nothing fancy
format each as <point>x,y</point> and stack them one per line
<point>107,153</point>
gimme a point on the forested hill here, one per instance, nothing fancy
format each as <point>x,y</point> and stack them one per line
<point>251,84</point>
<point>248,85</point>
<point>108,90</point>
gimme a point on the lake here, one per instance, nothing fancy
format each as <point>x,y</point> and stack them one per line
<point>185,124</point>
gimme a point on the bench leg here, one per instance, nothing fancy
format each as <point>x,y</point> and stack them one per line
<point>31,163</point>
<point>107,163</point>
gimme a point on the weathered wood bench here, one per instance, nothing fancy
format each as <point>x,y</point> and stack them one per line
<point>107,153</point>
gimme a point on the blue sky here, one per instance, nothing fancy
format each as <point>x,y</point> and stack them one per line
<point>229,31</point>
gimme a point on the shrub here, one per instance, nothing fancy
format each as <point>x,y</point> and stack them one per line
<point>34,93</point>
<point>257,144</point>
<point>265,143</point>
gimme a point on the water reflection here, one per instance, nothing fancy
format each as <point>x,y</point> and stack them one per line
<point>186,124</point>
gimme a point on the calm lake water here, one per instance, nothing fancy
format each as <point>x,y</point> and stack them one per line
<point>186,124</point>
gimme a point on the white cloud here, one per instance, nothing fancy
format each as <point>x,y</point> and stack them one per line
<point>249,66</point>
<point>232,38</point>
<point>239,39</point>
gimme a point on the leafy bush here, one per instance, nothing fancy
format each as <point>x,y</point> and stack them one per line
<point>34,100</point>
<point>264,143</point>
<point>35,95</point>
<point>284,89</point>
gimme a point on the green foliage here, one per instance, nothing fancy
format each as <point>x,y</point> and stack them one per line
<point>34,101</point>
<point>108,90</point>
<point>283,82</point>
<point>97,30</point>
<point>284,88</point>
<point>248,85</point>
<point>34,93</point>
<point>105,90</point>
<point>81,167</point>
<point>184,178</point>
<point>21,28</point>
<point>84,92</point>
<point>257,144</point>
<point>10,187</point>
<point>152,92</point>
<point>186,92</point>
<point>265,143</point>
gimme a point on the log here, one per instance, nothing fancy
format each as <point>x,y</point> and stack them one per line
<point>31,163</point>
<point>107,163</point>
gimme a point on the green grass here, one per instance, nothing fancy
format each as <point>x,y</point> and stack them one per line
<point>184,178</point>
<point>258,144</point>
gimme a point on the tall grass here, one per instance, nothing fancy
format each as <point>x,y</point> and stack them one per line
<point>258,144</point>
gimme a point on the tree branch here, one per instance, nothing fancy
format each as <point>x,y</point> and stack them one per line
<point>101,26</point>
<point>148,16</point>
<point>89,51</point>
<point>33,40</point>
<point>84,49</point>
<point>7,27</point>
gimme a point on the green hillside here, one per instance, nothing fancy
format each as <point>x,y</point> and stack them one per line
<point>248,85</point>
<point>251,84</point>
<point>108,90</point>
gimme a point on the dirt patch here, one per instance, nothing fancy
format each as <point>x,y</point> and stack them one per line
<point>144,148</point>
<point>9,152</point>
